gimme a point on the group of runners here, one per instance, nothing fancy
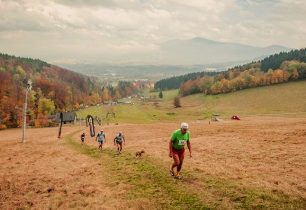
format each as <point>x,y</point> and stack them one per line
<point>178,140</point>
<point>101,139</point>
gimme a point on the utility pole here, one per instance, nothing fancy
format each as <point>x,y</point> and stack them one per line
<point>29,87</point>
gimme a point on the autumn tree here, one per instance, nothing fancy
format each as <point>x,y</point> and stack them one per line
<point>46,106</point>
<point>105,95</point>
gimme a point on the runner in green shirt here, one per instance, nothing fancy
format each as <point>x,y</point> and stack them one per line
<point>177,143</point>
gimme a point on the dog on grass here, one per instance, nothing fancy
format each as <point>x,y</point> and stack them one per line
<point>139,154</point>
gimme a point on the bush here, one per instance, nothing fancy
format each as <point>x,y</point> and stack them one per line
<point>177,102</point>
<point>2,126</point>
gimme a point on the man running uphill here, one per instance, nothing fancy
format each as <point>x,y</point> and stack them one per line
<point>177,149</point>
<point>101,139</point>
<point>118,140</point>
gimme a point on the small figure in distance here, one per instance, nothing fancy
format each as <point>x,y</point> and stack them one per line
<point>118,140</point>
<point>82,138</point>
<point>101,139</point>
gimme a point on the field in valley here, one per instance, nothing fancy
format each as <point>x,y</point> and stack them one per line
<point>284,99</point>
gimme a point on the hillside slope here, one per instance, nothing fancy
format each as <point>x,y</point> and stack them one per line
<point>289,98</point>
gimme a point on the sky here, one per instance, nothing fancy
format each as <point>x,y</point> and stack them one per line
<point>93,31</point>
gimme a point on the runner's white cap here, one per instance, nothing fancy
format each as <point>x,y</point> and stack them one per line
<point>184,125</point>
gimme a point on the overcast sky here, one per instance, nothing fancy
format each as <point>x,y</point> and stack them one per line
<point>64,31</point>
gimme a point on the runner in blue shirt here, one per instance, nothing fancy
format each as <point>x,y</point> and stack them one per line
<point>101,139</point>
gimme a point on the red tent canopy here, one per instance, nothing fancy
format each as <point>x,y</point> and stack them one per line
<point>235,117</point>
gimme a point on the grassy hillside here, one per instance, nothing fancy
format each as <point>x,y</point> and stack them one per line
<point>277,99</point>
<point>289,98</point>
<point>136,113</point>
<point>167,95</point>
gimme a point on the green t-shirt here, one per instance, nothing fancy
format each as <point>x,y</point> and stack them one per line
<point>179,140</point>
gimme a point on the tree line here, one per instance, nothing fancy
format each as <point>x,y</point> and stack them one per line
<point>235,80</point>
<point>275,61</point>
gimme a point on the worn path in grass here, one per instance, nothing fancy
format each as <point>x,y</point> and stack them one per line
<point>147,182</point>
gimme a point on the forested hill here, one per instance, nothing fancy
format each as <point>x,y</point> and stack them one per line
<point>54,89</point>
<point>277,68</point>
<point>175,82</point>
<point>275,61</point>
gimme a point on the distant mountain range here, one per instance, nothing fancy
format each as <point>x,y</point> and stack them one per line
<point>177,57</point>
<point>204,51</point>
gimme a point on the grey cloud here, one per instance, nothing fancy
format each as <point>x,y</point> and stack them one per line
<point>14,17</point>
<point>113,4</point>
<point>22,25</point>
<point>112,28</point>
<point>90,3</point>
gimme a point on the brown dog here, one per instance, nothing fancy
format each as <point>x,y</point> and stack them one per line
<point>139,153</point>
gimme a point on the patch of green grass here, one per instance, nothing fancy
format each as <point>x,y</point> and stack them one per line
<point>136,113</point>
<point>245,198</point>
<point>167,94</point>
<point>152,182</point>
<point>170,94</point>
<point>82,148</point>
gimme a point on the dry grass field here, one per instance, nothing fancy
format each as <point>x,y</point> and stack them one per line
<point>255,163</point>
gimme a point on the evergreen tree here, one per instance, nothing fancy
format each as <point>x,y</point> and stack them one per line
<point>160,94</point>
